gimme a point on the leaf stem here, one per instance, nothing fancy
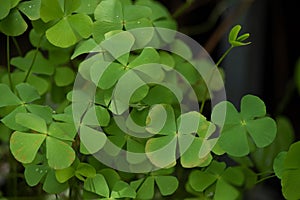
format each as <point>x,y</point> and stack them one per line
<point>216,67</point>
<point>17,46</point>
<point>223,56</point>
<point>33,60</point>
<point>182,9</point>
<point>265,178</point>
<point>8,63</point>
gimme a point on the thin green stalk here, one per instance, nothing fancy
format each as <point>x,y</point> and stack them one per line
<point>17,46</point>
<point>217,65</point>
<point>8,63</point>
<point>33,60</point>
<point>182,9</point>
<point>223,56</point>
<point>265,178</point>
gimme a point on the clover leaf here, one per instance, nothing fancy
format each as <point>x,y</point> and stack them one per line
<point>69,28</point>
<point>166,184</point>
<point>238,127</point>
<point>107,183</point>
<point>178,136</point>
<point>26,95</point>
<point>112,15</point>
<point>236,40</point>
<point>224,180</point>
<point>287,168</point>
<point>24,145</point>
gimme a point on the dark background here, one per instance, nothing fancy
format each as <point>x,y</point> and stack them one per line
<point>265,68</point>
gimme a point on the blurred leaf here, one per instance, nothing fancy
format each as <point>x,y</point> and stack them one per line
<point>64,76</point>
<point>34,173</point>
<point>13,24</point>
<point>167,185</point>
<point>27,92</point>
<point>97,185</point>
<point>85,170</point>
<point>31,9</point>
<point>278,164</point>
<point>51,185</point>
<point>63,175</point>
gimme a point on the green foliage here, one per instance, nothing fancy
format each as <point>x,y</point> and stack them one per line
<point>55,130</point>
<point>242,129</point>
<point>287,168</point>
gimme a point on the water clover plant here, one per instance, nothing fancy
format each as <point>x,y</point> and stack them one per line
<point>110,102</point>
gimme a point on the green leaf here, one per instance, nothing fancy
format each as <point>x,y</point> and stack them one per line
<point>146,190</point>
<point>124,41</point>
<point>200,180</point>
<point>100,28</point>
<point>111,176</point>
<point>62,34</point>
<point>148,55</point>
<point>32,121</point>
<point>236,41</point>
<point>24,146</point>
<point>88,6</point>
<point>234,137</point>
<point>264,157</point>
<point>267,126</point>
<point>60,155</point>
<point>97,185</point>
<point>63,175</point>
<point>34,174</point>
<point>63,131</point>
<point>102,115</point>
<point>31,9</point>
<point>40,65</point>
<point>234,141</point>
<point>85,170</point>
<point>13,24</point>
<point>235,172</point>
<point>109,11</point>
<point>278,164</point>
<point>136,12</point>
<point>122,190</point>
<point>181,49</point>
<point>161,151</point>
<point>92,139</point>
<point>252,106</point>
<point>167,185</point>
<point>225,191</point>
<point>290,184</point>
<point>52,186</point>
<point>27,92</point>
<point>10,119</point>
<point>4,9</point>
<point>9,98</point>
<point>86,46</point>
<point>81,24</point>
<point>234,33</point>
<point>44,112</point>
<point>64,76</point>
<point>71,5</point>
<point>50,10</point>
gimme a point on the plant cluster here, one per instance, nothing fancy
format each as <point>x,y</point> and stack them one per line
<point>39,108</point>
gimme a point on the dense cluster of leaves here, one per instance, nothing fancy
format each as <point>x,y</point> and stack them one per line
<point>37,114</point>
